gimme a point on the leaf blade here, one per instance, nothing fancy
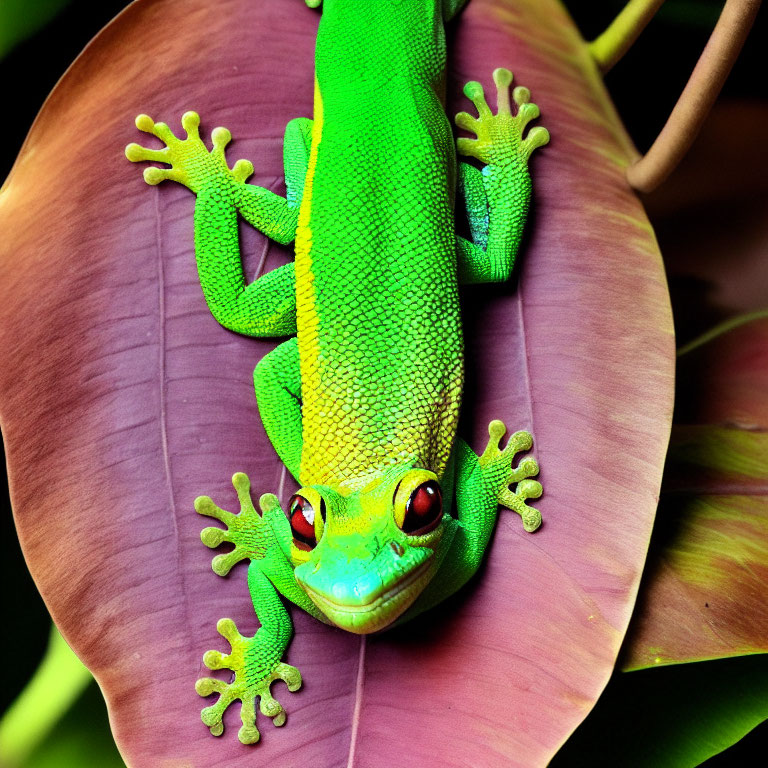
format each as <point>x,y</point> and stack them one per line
<point>703,592</point>
<point>147,404</point>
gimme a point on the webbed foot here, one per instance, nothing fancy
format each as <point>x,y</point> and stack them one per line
<point>500,137</point>
<point>191,162</point>
<point>496,464</point>
<point>256,664</point>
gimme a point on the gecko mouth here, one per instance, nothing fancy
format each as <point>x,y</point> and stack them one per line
<point>380,611</point>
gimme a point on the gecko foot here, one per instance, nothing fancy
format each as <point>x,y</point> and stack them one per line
<point>496,464</point>
<point>247,531</point>
<point>500,136</point>
<point>256,665</point>
<point>191,163</point>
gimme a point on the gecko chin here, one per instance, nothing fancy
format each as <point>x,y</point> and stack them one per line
<point>377,609</point>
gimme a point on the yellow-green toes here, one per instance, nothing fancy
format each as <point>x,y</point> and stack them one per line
<point>498,463</point>
<point>244,530</point>
<point>191,162</point>
<point>255,670</point>
<point>500,137</point>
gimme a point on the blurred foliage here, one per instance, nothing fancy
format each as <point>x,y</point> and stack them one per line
<point>55,686</point>
<point>659,717</point>
<point>671,717</point>
<point>19,19</point>
<point>691,13</point>
<point>81,739</point>
<point>684,13</point>
<point>42,57</point>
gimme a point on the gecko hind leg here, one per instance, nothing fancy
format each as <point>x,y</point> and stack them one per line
<point>192,164</point>
<point>255,661</point>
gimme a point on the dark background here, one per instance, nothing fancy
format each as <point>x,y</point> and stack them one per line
<point>644,86</point>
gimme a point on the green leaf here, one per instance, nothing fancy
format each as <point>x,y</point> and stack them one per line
<point>53,724</point>
<point>19,19</point>
<point>672,717</point>
<point>56,683</point>
<point>82,738</point>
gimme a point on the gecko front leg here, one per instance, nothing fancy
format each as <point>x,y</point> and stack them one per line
<point>483,483</point>
<point>498,474</point>
<point>255,661</point>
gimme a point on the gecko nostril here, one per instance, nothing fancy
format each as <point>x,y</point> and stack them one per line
<point>397,548</point>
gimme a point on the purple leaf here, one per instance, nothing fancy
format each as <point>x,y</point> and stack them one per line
<point>122,400</point>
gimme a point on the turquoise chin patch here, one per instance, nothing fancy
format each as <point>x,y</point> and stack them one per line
<point>361,590</point>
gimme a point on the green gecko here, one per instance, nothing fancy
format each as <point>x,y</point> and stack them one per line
<point>362,403</point>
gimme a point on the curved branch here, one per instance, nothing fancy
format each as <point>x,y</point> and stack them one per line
<point>697,97</point>
<point>617,39</point>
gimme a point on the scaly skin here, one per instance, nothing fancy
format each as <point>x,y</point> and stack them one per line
<point>362,405</point>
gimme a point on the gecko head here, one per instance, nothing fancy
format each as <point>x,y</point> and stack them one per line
<point>363,557</point>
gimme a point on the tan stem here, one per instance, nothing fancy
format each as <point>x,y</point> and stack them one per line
<point>697,97</point>
<point>617,39</point>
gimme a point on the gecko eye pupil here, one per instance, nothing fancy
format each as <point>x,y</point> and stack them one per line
<point>301,514</point>
<point>424,509</point>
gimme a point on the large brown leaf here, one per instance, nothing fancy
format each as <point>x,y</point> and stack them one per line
<point>122,400</point>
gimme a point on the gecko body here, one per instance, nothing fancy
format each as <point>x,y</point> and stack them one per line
<point>394,511</point>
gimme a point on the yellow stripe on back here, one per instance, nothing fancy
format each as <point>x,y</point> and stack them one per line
<point>307,319</point>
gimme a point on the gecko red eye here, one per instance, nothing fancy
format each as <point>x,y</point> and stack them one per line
<point>301,513</point>
<point>424,509</point>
